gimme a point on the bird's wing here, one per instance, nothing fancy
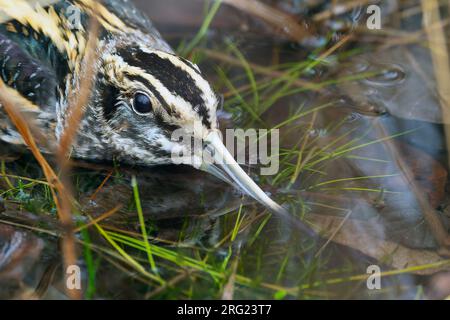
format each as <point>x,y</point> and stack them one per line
<point>25,77</point>
<point>29,77</point>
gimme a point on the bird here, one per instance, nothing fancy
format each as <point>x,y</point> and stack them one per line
<point>141,94</point>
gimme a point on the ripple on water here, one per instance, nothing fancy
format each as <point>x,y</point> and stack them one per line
<point>387,75</point>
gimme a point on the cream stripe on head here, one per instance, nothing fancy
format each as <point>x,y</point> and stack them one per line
<point>177,84</point>
<point>126,76</point>
<point>208,95</point>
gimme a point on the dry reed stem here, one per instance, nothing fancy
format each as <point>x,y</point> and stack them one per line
<point>315,87</point>
<point>100,218</point>
<point>230,286</point>
<point>57,188</point>
<point>428,212</point>
<point>278,19</point>
<point>76,110</point>
<point>60,187</point>
<point>439,54</point>
<point>13,109</point>
<point>100,187</point>
<point>259,69</point>
<point>412,37</point>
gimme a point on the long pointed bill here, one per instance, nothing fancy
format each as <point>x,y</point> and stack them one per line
<point>227,169</point>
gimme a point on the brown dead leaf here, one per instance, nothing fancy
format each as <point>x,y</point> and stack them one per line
<point>368,237</point>
<point>430,175</point>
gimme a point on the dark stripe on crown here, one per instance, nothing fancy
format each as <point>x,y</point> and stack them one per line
<point>190,64</point>
<point>186,62</point>
<point>176,80</point>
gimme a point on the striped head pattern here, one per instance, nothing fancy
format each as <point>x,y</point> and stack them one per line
<point>147,94</point>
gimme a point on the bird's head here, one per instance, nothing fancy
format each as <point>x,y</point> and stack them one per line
<point>147,95</point>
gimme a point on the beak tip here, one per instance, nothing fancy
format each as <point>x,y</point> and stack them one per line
<point>228,170</point>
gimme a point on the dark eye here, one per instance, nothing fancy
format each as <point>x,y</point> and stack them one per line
<point>142,103</point>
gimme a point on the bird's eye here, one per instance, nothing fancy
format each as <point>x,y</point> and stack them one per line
<point>142,103</point>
